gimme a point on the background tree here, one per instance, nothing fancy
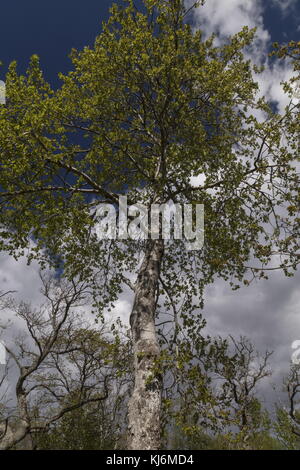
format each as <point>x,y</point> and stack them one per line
<point>215,398</point>
<point>287,426</point>
<point>240,374</point>
<point>97,426</point>
<point>63,363</point>
<point>149,106</point>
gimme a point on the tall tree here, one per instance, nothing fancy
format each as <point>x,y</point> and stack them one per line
<point>146,108</point>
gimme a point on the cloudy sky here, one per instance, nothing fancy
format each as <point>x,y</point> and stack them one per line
<point>269,311</point>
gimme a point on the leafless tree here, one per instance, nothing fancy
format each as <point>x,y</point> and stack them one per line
<point>293,389</point>
<point>239,374</point>
<point>62,362</point>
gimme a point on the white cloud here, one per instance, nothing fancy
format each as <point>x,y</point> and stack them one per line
<point>18,276</point>
<point>226,18</point>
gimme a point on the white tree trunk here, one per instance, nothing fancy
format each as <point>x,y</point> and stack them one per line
<point>145,403</point>
<point>10,437</point>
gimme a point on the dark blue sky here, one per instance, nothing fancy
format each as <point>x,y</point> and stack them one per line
<point>51,28</point>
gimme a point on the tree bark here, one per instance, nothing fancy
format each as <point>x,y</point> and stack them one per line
<point>145,403</point>
<point>10,438</point>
